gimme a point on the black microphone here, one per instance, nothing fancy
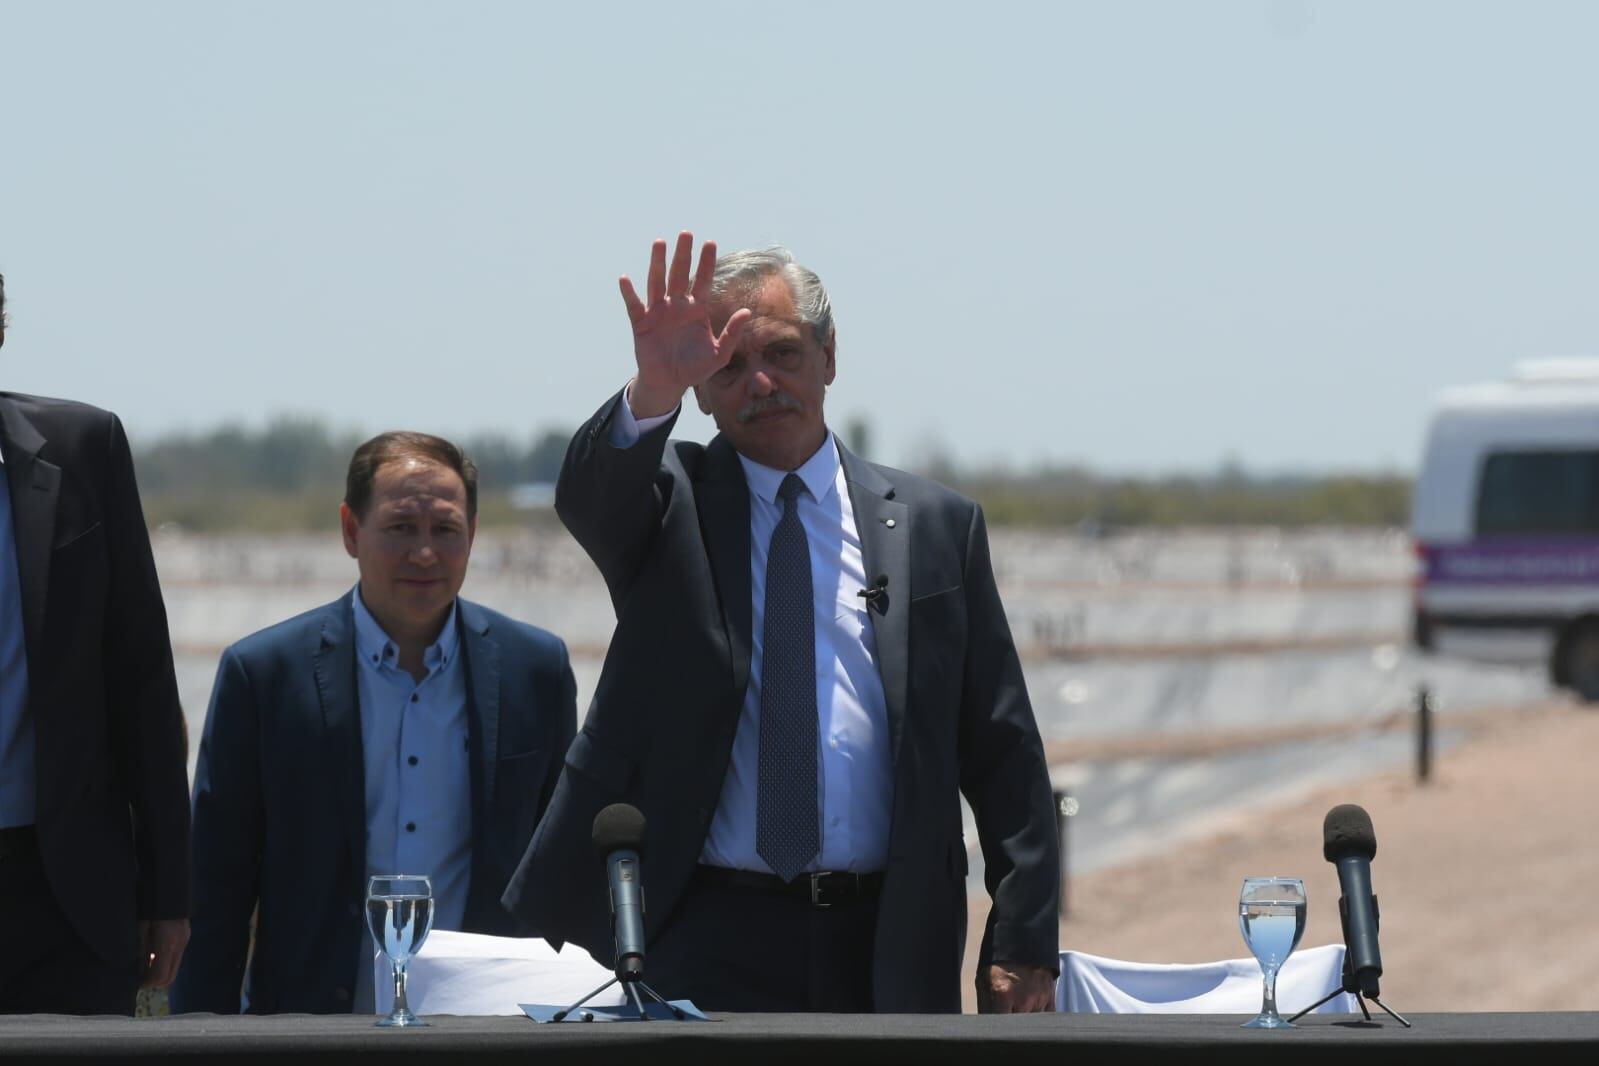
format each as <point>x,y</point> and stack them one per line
<point>1349,843</point>
<point>619,839</point>
<point>875,594</point>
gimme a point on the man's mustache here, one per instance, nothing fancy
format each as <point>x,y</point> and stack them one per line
<point>777,401</point>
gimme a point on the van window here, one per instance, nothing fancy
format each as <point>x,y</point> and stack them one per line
<point>1539,492</point>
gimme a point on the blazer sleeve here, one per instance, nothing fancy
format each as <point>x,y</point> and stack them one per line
<point>144,705</point>
<point>613,499</point>
<point>228,830</point>
<point>562,729</point>
<point>1005,778</point>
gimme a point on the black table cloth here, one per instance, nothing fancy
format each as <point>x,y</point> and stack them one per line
<point>1528,1039</point>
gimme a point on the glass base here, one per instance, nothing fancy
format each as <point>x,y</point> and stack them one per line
<point>401,1019</point>
<point>1268,1021</point>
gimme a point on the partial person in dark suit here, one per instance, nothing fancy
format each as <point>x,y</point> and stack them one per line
<point>399,729</point>
<point>94,823</point>
<point>810,664</point>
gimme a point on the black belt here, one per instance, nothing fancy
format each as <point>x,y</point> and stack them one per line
<point>18,842</point>
<point>822,888</point>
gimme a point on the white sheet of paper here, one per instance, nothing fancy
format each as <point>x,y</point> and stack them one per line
<point>468,973</point>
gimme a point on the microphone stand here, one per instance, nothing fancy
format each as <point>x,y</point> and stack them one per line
<point>631,985</point>
<point>1349,983</point>
<point>1360,998</point>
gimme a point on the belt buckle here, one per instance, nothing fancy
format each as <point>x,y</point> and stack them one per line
<point>818,880</point>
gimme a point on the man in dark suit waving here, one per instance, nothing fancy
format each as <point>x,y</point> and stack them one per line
<point>810,663</point>
<point>399,729</point>
<point>94,826</point>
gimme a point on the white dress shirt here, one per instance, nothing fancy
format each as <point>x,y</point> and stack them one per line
<point>855,767</point>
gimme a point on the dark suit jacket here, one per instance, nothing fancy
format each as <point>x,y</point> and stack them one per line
<point>113,818</point>
<point>668,525</point>
<point>280,807</point>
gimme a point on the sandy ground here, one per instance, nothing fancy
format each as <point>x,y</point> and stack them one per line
<point>1488,875</point>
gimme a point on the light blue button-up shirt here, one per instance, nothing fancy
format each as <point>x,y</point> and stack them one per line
<point>18,760</point>
<point>855,767</point>
<point>415,751</point>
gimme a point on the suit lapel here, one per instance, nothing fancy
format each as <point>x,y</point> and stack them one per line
<point>341,716</point>
<point>35,485</point>
<point>482,708</point>
<point>884,525</point>
<point>724,506</point>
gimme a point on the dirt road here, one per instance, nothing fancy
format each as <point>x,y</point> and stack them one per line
<point>1488,876</point>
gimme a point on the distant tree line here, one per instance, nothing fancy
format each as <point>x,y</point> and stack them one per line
<point>1078,498</point>
<point>289,475</point>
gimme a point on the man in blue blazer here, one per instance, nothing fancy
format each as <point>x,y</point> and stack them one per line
<point>399,729</point>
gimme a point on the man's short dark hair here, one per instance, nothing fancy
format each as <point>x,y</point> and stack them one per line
<point>2,301</point>
<point>401,444</point>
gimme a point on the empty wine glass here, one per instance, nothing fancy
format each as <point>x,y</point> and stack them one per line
<point>1271,912</point>
<point>399,912</point>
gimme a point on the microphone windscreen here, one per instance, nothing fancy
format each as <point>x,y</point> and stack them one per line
<point>1347,831</point>
<point>621,825</point>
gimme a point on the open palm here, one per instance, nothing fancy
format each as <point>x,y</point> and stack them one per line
<point>673,341</point>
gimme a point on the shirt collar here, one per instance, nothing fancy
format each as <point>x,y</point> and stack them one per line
<point>375,648</point>
<point>819,472</point>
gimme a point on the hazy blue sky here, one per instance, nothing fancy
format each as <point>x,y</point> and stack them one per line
<point>1139,235</point>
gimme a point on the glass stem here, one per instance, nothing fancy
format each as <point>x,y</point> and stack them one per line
<point>400,1005</point>
<point>1268,1003</point>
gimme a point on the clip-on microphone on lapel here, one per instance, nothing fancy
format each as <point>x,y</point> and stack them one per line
<point>876,595</point>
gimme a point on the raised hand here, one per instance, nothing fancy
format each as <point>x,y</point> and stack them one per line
<point>673,341</point>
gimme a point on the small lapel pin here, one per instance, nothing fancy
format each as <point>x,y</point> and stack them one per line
<point>889,522</point>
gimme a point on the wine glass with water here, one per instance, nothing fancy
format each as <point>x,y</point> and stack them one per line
<point>1271,912</point>
<point>399,912</point>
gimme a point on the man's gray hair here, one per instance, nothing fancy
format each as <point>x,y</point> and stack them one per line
<point>739,272</point>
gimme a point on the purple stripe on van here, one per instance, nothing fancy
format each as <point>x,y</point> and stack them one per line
<point>1562,561</point>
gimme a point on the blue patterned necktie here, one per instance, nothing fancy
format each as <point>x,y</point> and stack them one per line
<point>787,834</point>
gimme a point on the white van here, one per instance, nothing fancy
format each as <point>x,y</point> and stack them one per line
<point>1506,522</point>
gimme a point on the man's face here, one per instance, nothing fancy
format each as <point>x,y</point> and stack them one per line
<point>767,400</point>
<point>411,545</point>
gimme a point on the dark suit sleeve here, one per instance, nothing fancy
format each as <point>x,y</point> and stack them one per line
<point>612,499</point>
<point>562,729</point>
<point>143,695</point>
<point>228,830</point>
<point>1005,778</point>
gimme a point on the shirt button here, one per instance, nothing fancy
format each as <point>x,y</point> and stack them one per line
<point>412,760</point>
<point>415,697</point>
<point>410,827</point>
<point>832,742</point>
